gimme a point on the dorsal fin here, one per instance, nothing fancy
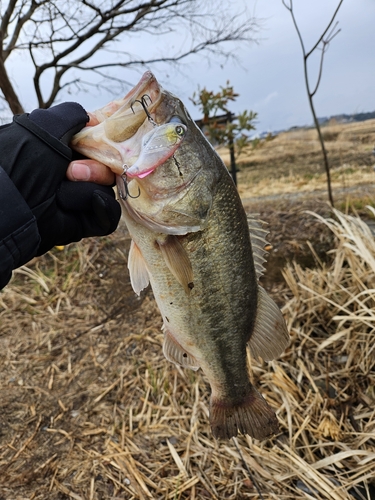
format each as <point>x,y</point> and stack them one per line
<point>258,242</point>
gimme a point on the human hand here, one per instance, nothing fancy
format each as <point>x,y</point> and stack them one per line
<point>37,158</point>
<point>90,171</point>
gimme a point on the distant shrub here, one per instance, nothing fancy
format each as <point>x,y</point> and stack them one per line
<point>329,135</point>
<point>258,142</point>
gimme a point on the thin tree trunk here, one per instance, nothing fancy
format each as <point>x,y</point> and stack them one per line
<point>324,40</point>
<point>324,152</point>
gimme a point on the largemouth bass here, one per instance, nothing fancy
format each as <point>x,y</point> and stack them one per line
<point>191,241</point>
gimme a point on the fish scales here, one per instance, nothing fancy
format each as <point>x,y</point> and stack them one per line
<point>224,296</point>
<point>191,241</point>
<point>212,322</point>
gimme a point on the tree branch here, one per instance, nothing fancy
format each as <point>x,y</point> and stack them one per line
<point>325,31</point>
<point>21,21</point>
<point>8,91</point>
<point>58,40</point>
<point>5,20</point>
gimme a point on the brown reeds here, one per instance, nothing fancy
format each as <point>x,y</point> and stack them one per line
<point>90,409</point>
<point>332,319</point>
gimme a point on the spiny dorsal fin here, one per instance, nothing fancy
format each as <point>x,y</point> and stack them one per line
<point>177,260</point>
<point>258,242</point>
<point>139,277</point>
<point>175,353</point>
<point>270,335</point>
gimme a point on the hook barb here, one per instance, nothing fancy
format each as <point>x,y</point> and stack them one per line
<point>143,102</point>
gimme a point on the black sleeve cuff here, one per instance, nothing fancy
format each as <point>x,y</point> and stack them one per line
<point>19,236</point>
<point>51,141</point>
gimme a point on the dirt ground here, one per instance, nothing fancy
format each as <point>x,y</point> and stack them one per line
<point>89,407</point>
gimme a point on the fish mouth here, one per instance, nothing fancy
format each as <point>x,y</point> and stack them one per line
<point>147,87</point>
<point>137,107</point>
<point>113,134</point>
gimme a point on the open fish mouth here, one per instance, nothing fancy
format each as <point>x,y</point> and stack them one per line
<point>114,134</point>
<point>135,135</point>
<point>147,93</point>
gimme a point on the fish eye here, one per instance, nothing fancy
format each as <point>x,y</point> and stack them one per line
<point>180,130</point>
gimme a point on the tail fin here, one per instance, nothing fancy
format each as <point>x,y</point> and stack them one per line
<point>253,416</point>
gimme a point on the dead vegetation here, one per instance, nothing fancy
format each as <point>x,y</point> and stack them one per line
<point>291,163</point>
<point>90,409</point>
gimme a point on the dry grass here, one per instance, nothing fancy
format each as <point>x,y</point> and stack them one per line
<point>292,161</point>
<point>332,320</point>
<point>91,410</point>
<point>342,178</point>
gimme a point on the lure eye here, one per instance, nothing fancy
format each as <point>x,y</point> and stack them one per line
<point>180,130</point>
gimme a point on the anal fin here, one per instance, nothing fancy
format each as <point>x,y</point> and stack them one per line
<point>270,335</point>
<point>176,354</point>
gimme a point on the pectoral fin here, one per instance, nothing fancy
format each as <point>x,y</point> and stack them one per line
<point>139,277</point>
<point>176,354</point>
<point>177,260</point>
<point>270,335</point>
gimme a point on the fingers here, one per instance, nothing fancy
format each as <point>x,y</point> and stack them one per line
<point>93,119</point>
<point>99,115</point>
<point>90,170</point>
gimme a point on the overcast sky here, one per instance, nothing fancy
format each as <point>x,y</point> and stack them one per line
<point>272,81</point>
<point>269,77</point>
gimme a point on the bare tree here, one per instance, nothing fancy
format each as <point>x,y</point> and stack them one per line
<point>322,44</point>
<point>84,43</point>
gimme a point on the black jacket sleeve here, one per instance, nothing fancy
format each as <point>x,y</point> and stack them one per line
<point>32,164</point>
<point>39,206</point>
<point>19,236</point>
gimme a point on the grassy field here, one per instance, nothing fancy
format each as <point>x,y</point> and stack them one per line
<point>291,163</point>
<point>91,410</point>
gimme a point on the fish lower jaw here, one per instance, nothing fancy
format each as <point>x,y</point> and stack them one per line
<point>252,415</point>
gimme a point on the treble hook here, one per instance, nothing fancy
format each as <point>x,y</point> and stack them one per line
<point>143,99</point>
<point>144,105</point>
<point>125,194</point>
